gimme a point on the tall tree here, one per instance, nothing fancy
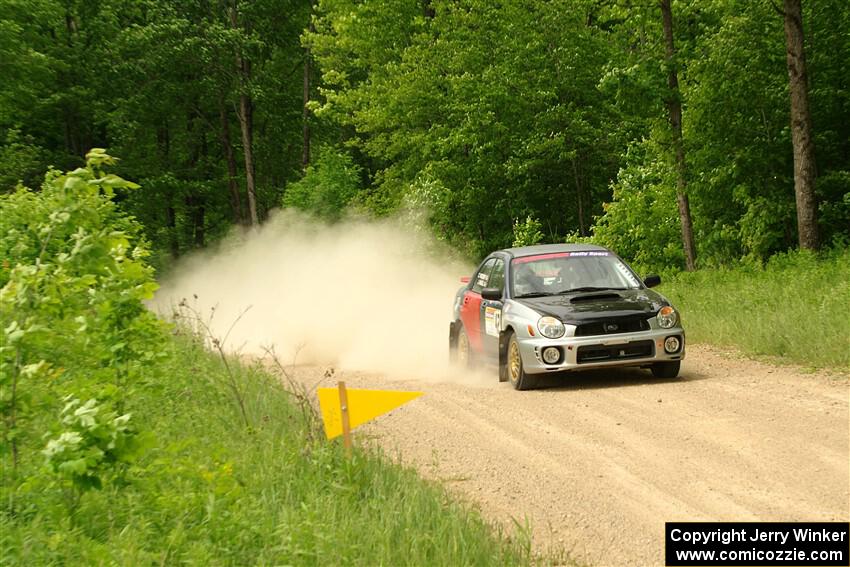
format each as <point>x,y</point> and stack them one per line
<point>246,118</point>
<point>801,127</point>
<point>674,108</point>
<point>305,113</point>
<point>230,158</point>
<point>305,95</point>
<point>477,102</point>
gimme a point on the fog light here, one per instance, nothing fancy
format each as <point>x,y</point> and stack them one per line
<point>551,355</point>
<point>672,344</point>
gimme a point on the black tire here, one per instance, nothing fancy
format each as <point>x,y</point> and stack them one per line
<point>514,369</point>
<point>666,369</point>
<point>503,366</point>
<point>459,352</point>
<point>453,345</point>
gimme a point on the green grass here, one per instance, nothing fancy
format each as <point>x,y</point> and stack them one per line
<point>796,308</point>
<point>213,492</point>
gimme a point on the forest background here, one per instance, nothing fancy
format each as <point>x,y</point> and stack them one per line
<point>511,121</point>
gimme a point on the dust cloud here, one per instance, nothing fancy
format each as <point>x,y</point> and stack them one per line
<point>359,295</point>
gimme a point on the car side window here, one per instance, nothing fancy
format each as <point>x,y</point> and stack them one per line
<point>497,276</point>
<point>482,279</point>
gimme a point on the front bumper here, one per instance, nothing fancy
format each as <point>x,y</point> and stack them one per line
<point>580,353</point>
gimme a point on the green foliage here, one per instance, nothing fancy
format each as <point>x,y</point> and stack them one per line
<point>527,232</point>
<point>834,213</point>
<point>328,187</point>
<point>737,123</point>
<point>20,160</point>
<point>73,282</point>
<point>794,308</point>
<point>642,222</point>
<point>496,105</point>
<point>92,444</point>
<point>159,84</point>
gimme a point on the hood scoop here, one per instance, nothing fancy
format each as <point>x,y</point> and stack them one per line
<point>595,296</point>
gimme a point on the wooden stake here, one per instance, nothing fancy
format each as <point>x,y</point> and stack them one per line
<point>346,423</point>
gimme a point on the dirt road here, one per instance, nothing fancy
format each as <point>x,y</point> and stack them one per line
<point>598,462</point>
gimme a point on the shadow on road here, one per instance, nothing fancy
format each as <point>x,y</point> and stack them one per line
<point>610,378</point>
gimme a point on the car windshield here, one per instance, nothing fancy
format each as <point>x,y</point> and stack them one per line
<point>569,272</point>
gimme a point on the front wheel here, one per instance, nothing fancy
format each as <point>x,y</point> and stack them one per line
<point>517,376</point>
<point>666,369</point>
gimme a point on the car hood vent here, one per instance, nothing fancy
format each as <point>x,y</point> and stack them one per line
<point>595,296</point>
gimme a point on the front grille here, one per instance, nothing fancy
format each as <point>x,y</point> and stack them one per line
<point>603,353</point>
<point>611,327</point>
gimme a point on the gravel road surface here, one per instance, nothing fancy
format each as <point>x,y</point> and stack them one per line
<point>597,462</point>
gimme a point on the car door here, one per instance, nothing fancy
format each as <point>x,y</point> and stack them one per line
<point>470,307</point>
<point>491,311</point>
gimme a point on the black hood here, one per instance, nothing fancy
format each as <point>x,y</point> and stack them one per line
<point>577,308</point>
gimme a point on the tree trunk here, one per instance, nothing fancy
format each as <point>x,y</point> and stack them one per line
<point>194,199</point>
<point>246,121</point>
<point>71,125</point>
<point>171,225</point>
<point>674,107</point>
<point>801,128</point>
<point>230,158</point>
<point>163,142</point>
<point>305,113</point>
<point>428,10</point>
<point>579,201</point>
<point>199,210</point>
<point>198,222</point>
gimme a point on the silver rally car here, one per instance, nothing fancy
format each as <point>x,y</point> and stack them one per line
<point>558,307</point>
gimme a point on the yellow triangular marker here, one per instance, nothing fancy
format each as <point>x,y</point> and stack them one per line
<point>363,405</point>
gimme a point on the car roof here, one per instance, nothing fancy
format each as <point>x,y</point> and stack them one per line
<point>551,249</point>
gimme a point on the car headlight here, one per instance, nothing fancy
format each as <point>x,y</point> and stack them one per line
<point>551,328</point>
<point>667,317</point>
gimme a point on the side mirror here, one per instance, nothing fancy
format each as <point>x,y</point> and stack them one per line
<point>491,293</point>
<point>651,281</point>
